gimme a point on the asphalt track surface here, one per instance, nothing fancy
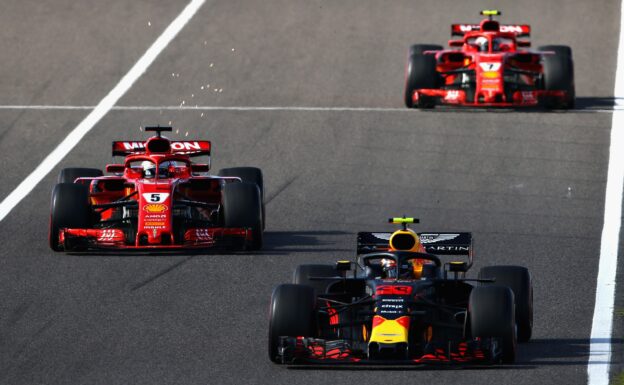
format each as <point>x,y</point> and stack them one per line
<point>529,185</point>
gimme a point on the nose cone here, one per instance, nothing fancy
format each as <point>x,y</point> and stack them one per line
<point>387,331</point>
<point>389,338</point>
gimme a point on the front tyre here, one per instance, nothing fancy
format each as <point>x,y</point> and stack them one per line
<point>69,209</point>
<point>291,314</point>
<point>492,315</point>
<point>250,175</point>
<point>69,175</point>
<point>559,75</point>
<point>242,207</point>
<point>518,279</point>
<point>420,73</point>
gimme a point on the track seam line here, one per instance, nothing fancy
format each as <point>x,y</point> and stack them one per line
<point>599,361</point>
<point>618,107</point>
<point>280,190</point>
<point>105,105</point>
<point>161,273</point>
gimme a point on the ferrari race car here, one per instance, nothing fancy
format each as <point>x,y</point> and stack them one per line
<point>157,199</point>
<point>402,305</point>
<point>490,67</point>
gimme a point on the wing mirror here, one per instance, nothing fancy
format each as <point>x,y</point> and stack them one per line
<point>115,168</point>
<point>199,168</point>
<point>455,43</point>
<point>342,267</point>
<point>523,43</point>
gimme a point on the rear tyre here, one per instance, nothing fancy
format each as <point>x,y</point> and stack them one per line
<point>69,175</point>
<point>559,75</point>
<point>69,209</point>
<point>251,175</point>
<point>291,314</point>
<point>420,73</point>
<point>242,207</point>
<point>491,312</point>
<point>303,273</point>
<point>518,279</point>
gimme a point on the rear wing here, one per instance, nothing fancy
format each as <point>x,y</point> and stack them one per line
<point>520,30</point>
<point>434,243</point>
<point>182,147</point>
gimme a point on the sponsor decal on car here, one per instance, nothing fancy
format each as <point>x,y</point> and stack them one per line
<point>434,237</point>
<point>528,96</point>
<point>154,224</point>
<point>155,197</point>
<point>155,208</point>
<point>491,75</point>
<point>490,66</point>
<point>452,95</point>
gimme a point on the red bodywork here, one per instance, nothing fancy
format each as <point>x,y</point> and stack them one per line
<point>504,75</point>
<point>171,207</point>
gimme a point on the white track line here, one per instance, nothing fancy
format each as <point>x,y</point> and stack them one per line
<point>204,108</point>
<point>99,111</point>
<point>600,341</point>
<point>617,107</point>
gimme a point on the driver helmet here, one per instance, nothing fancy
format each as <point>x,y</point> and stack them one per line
<point>496,44</point>
<point>149,169</point>
<point>388,265</point>
<point>417,267</point>
<point>164,169</point>
<point>482,43</point>
<point>411,270</point>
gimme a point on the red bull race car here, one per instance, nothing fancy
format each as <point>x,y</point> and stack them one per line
<point>157,199</point>
<point>490,66</point>
<point>402,304</point>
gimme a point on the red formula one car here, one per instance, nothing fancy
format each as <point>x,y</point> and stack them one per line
<point>157,199</point>
<point>490,67</point>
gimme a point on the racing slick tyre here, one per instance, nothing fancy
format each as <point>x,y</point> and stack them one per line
<point>491,312</point>
<point>421,48</point>
<point>420,73</point>
<point>242,207</point>
<point>69,175</point>
<point>251,175</point>
<point>291,314</point>
<point>303,273</point>
<point>518,279</point>
<point>559,75</point>
<point>69,209</point>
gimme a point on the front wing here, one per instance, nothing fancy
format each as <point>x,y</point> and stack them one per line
<point>195,238</point>
<point>316,351</point>
<point>458,97</point>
